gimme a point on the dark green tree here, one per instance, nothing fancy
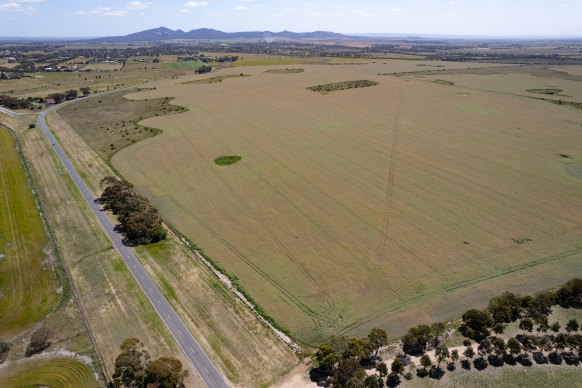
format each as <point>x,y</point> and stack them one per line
<point>382,369</point>
<point>499,328</point>
<point>572,325</point>
<point>425,361</point>
<point>542,323</point>
<point>371,382</point>
<point>165,372</point>
<point>349,370</point>
<point>441,354</point>
<point>513,346</point>
<point>560,342</point>
<point>499,347</point>
<point>377,338</point>
<point>478,322</point>
<point>397,366</point>
<point>505,307</point>
<point>526,324</point>
<point>325,357</point>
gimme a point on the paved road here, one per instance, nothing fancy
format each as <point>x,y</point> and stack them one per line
<point>189,345</point>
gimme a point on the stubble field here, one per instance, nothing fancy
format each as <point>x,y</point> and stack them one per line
<point>402,203</point>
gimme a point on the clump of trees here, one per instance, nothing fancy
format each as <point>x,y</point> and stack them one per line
<point>39,341</point>
<point>14,103</point>
<point>139,222</point>
<point>343,358</point>
<point>132,368</point>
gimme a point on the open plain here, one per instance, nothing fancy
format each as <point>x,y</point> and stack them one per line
<point>387,206</point>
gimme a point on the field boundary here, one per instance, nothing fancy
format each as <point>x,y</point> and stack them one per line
<point>231,282</point>
<point>48,228</point>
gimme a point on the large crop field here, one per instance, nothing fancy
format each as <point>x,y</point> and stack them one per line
<point>27,281</point>
<point>407,202</point>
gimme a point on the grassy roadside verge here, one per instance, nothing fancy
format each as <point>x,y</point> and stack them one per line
<point>40,264</point>
<point>115,306</point>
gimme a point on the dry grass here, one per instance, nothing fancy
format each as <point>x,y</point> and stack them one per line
<point>115,306</point>
<point>118,125</point>
<point>43,84</point>
<point>385,206</point>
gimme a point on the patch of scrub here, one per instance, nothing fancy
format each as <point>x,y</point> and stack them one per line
<point>227,160</point>
<point>284,71</point>
<point>463,94</point>
<point>362,83</point>
<point>574,170</point>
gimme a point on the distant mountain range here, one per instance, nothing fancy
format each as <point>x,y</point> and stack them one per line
<point>163,33</point>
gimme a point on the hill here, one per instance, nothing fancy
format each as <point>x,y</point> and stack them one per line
<point>163,33</point>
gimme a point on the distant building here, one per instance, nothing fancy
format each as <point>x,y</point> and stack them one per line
<point>50,101</point>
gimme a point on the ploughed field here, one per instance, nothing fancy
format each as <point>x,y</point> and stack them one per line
<point>406,202</point>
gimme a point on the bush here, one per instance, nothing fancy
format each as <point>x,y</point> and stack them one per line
<point>39,341</point>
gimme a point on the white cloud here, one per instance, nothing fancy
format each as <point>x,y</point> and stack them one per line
<point>16,7</point>
<point>395,10</point>
<point>241,8</point>
<point>137,5</point>
<point>104,11</point>
<point>194,4</point>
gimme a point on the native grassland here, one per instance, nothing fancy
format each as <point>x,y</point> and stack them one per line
<point>52,372</point>
<point>241,347</point>
<point>27,280</point>
<point>43,84</point>
<point>384,206</point>
<point>117,126</point>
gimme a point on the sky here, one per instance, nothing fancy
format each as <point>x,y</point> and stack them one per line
<point>92,18</point>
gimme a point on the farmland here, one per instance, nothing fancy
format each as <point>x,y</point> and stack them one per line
<point>383,206</point>
<point>243,349</point>
<point>54,372</point>
<point>27,280</point>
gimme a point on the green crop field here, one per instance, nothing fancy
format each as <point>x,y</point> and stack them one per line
<point>27,281</point>
<point>385,206</point>
<point>184,65</point>
<point>54,373</point>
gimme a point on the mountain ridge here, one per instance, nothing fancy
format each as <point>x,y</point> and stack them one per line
<point>164,33</point>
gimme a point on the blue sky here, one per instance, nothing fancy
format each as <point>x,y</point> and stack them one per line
<point>81,18</point>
